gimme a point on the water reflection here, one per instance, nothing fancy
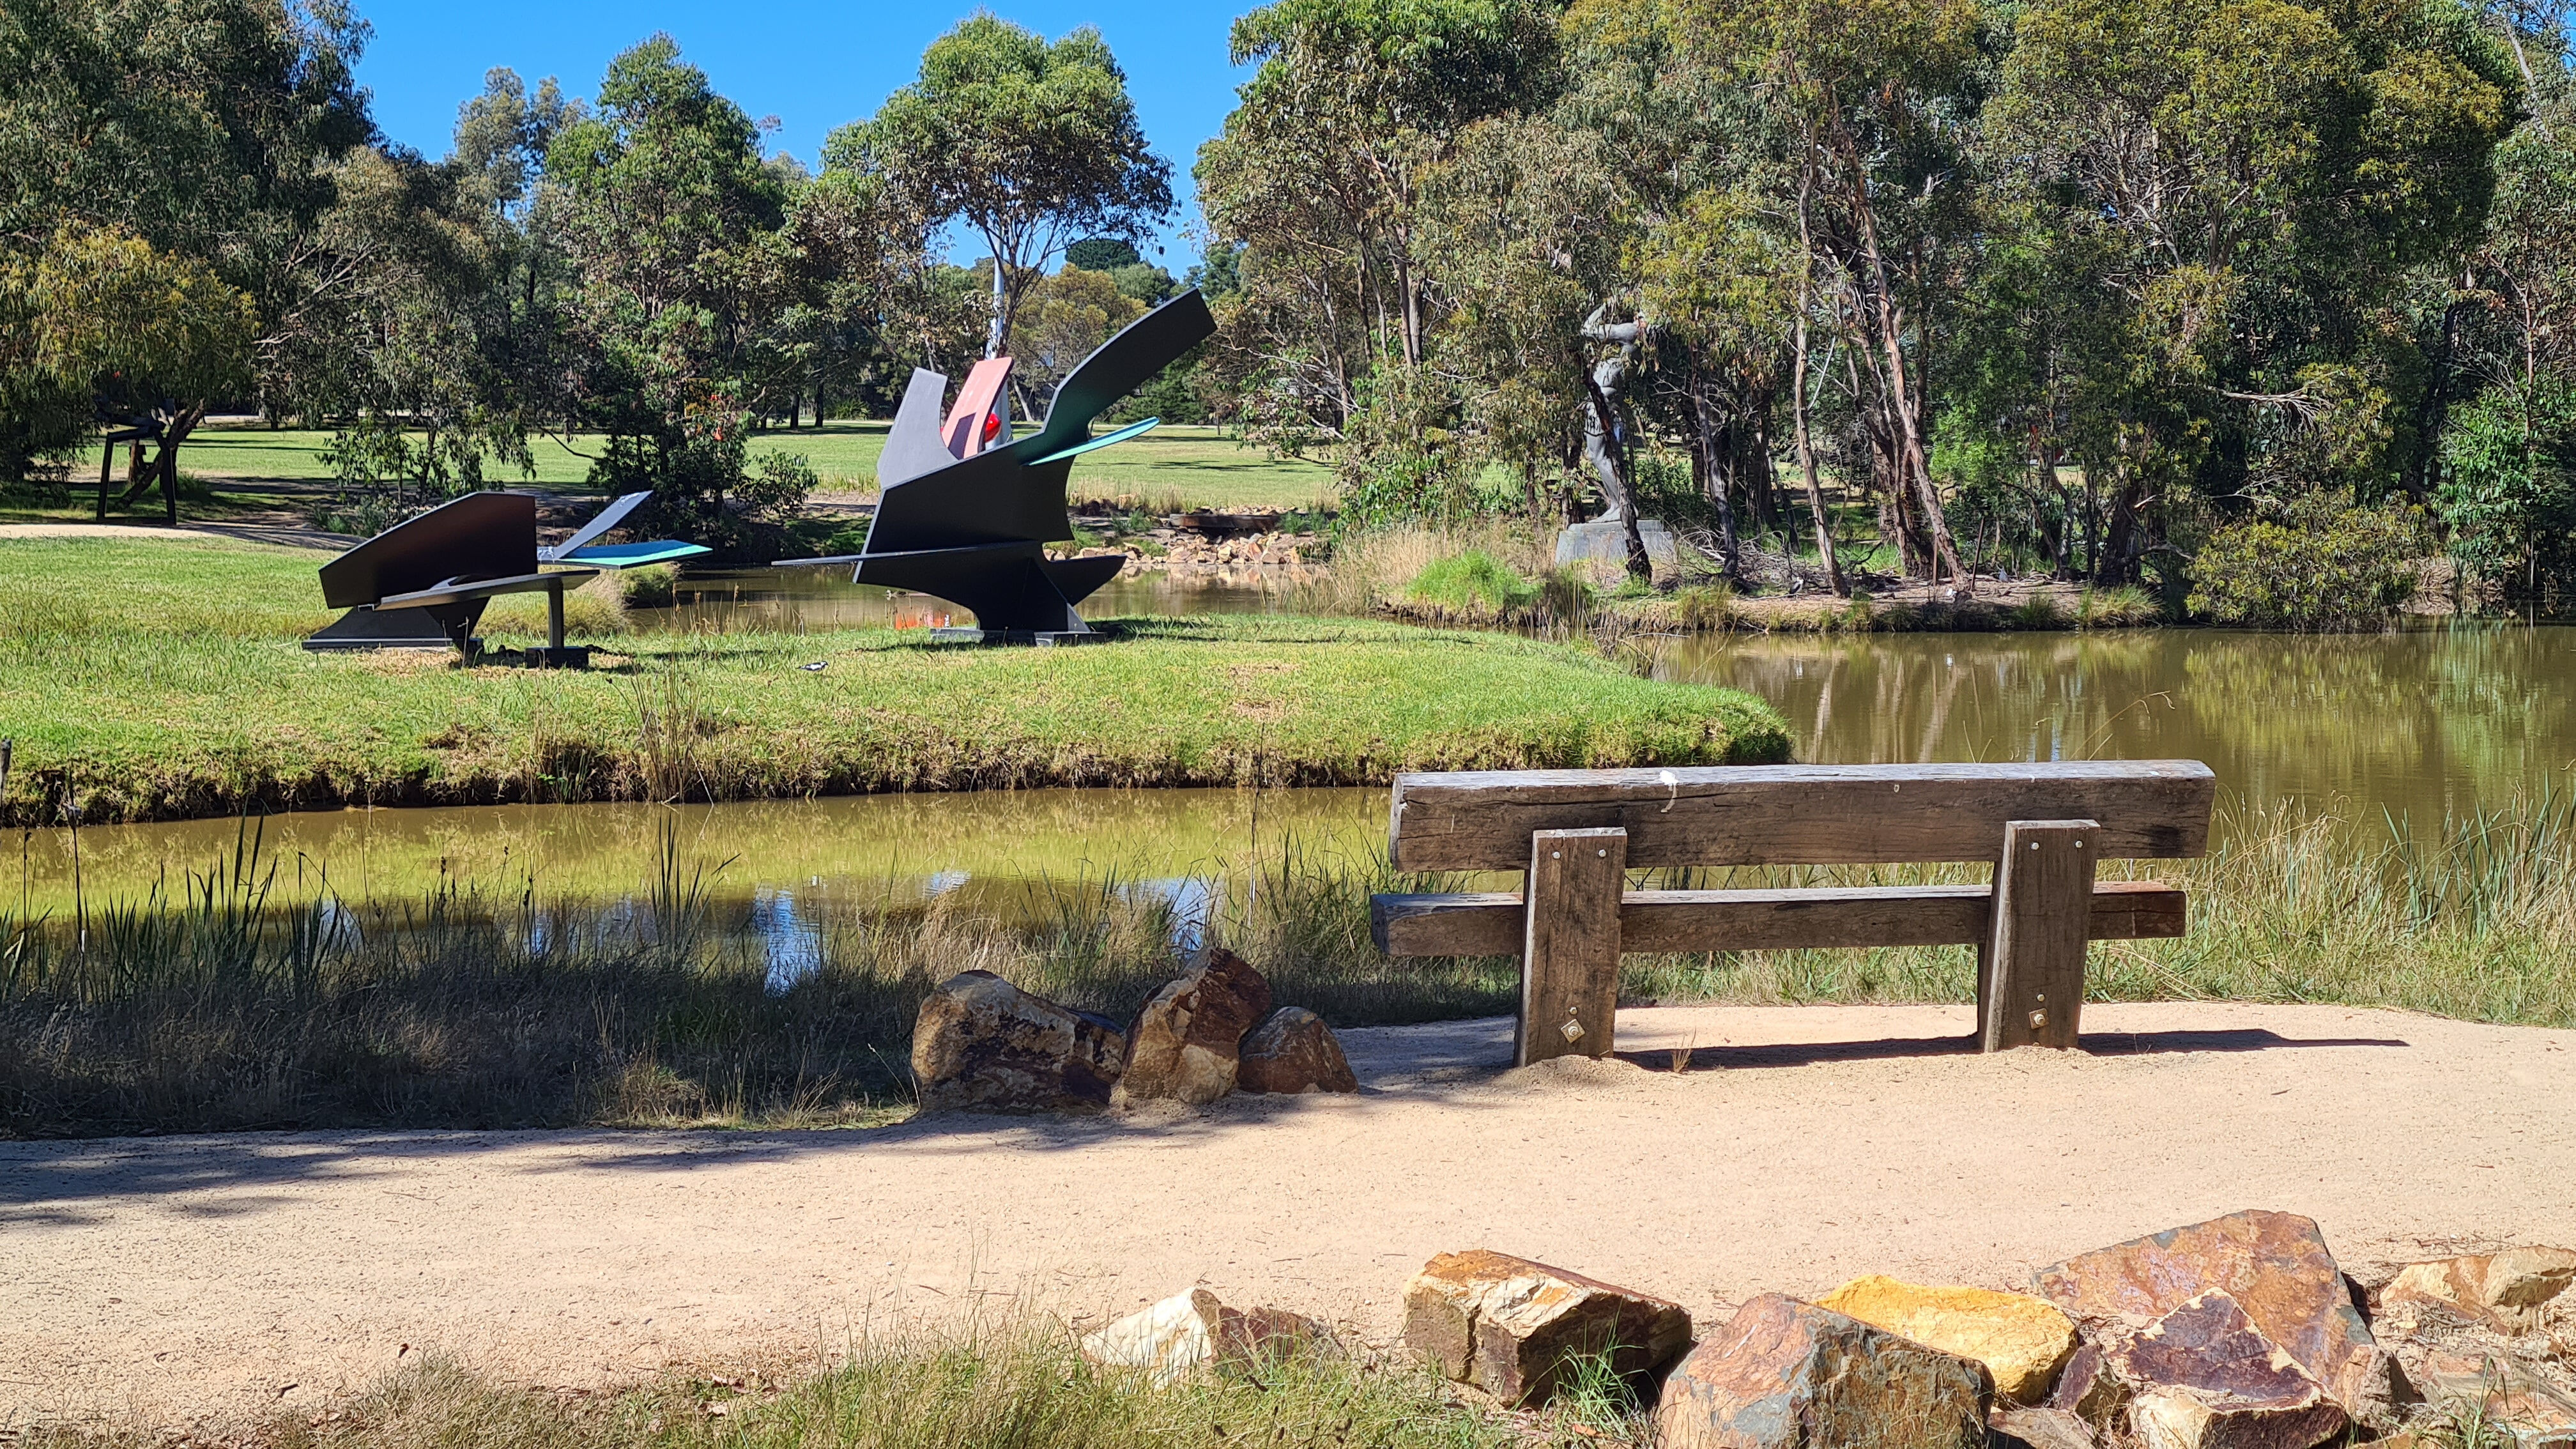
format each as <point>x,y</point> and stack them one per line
<point>2413,724</point>
<point>1010,853</point>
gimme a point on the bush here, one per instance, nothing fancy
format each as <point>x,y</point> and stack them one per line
<point>2322,565</point>
<point>654,586</point>
<point>1473,583</point>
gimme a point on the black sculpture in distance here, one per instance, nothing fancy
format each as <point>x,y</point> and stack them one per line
<point>970,524</point>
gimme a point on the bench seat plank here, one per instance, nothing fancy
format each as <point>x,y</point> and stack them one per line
<point>1489,923</point>
<point>1799,814</point>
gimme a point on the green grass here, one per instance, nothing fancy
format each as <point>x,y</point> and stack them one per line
<point>160,679</point>
<point>1201,466</point>
<point>1473,584</point>
<point>989,1383</point>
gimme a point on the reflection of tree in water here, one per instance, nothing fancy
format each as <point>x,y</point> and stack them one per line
<point>2416,723</point>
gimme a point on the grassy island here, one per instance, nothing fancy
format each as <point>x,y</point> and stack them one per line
<point>153,678</point>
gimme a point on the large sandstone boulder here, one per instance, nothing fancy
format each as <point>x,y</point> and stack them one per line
<point>1293,1051</point>
<point>982,1044</point>
<point>1788,1375</point>
<point>1187,1040</point>
<point>2273,1268</point>
<point>1194,1330</point>
<point>2510,1290</point>
<point>2021,1340</point>
<point>2207,1378</point>
<point>1511,1327</point>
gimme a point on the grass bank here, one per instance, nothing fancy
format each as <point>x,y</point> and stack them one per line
<point>244,997</point>
<point>160,679</point>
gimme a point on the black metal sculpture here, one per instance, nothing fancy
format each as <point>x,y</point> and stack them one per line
<point>424,582</point>
<point>969,524</point>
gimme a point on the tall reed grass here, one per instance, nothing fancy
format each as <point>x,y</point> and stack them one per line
<point>253,995</point>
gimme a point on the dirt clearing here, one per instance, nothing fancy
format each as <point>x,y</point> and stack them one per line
<point>185,1279</point>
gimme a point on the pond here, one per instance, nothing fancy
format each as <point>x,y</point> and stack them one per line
<point>2406,726</point>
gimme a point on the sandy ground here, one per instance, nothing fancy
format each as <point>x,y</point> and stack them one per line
<point>182,1279</point>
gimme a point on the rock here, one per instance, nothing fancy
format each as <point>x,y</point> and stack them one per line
<point>2206,1377</point>
<point>1789,1375</point>
<point>1293,1051</point>
<point>982,1044</point>
<point>2021,1340</point>
<point>1508,1325</point>
<point>1186,1041</point>
<point>2510,1290</point>
<point>2088,1389</point>
<point>1191,1330</point>
<point>2504,1391</point>
<point>1605,540</point>
<point>2044,1428</point>
<point>2273,1266</point>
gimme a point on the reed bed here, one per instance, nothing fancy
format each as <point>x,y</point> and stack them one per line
<point>248,996</point>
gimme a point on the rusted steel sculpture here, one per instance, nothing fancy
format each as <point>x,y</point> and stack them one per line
<point>424,582</point>
<point>965,512</point>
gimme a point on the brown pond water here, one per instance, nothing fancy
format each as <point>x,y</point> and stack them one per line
<point>2410,726</point>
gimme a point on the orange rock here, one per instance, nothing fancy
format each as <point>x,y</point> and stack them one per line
<point>1512,1327</point>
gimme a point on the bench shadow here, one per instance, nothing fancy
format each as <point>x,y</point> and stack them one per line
<point>2100,1044</point>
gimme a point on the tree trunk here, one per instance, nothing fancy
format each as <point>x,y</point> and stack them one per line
<point>1891,330</point>
<point>1714,481</point>
<point>1798,402</point>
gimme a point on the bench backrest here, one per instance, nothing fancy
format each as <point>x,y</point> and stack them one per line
<point>1799,814</point>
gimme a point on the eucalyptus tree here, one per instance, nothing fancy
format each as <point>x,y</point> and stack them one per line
<point>2507,461</point>
<point>2241,191</point>
<point>667,207</point>
<point>1865,94</point>
<point>1319,179</point>
<point>1034,145</point>
<point>205,130</point>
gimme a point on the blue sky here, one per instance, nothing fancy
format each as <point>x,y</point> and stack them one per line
<point>812,65</point>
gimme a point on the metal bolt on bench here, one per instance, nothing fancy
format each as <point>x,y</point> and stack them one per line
<point>1577,833</point>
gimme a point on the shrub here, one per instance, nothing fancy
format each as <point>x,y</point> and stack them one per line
<point>2116,608</point>
<point>1472,583</point>
<point>2321,565</point>
<point>2039,611</point>
<point>653,586</point>
<point>1705,606</point>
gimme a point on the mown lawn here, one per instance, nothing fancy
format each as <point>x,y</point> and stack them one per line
<point>158,679</point>
<point>1201,467</point>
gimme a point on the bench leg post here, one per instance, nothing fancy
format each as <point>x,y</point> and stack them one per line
<point>1570,944</point>
<point>2031,991</point>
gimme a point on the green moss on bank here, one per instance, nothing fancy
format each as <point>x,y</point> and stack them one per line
<point>160,679</point>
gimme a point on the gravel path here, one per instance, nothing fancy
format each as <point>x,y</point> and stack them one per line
<point>195,1279</point>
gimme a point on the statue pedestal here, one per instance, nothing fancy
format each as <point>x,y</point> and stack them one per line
<point>1605,540</point>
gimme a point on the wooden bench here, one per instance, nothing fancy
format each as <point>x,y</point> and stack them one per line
<point>1577,833</point>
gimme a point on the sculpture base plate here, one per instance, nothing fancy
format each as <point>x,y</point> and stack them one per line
<point>1040,638</point>
<point>571,656</point>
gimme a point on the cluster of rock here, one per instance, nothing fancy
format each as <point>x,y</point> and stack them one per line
<point>982,1044</point>
<point>1185,551</point>
<point>2239,1333</point>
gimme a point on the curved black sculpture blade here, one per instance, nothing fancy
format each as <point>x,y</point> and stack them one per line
<point>481,535</point>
